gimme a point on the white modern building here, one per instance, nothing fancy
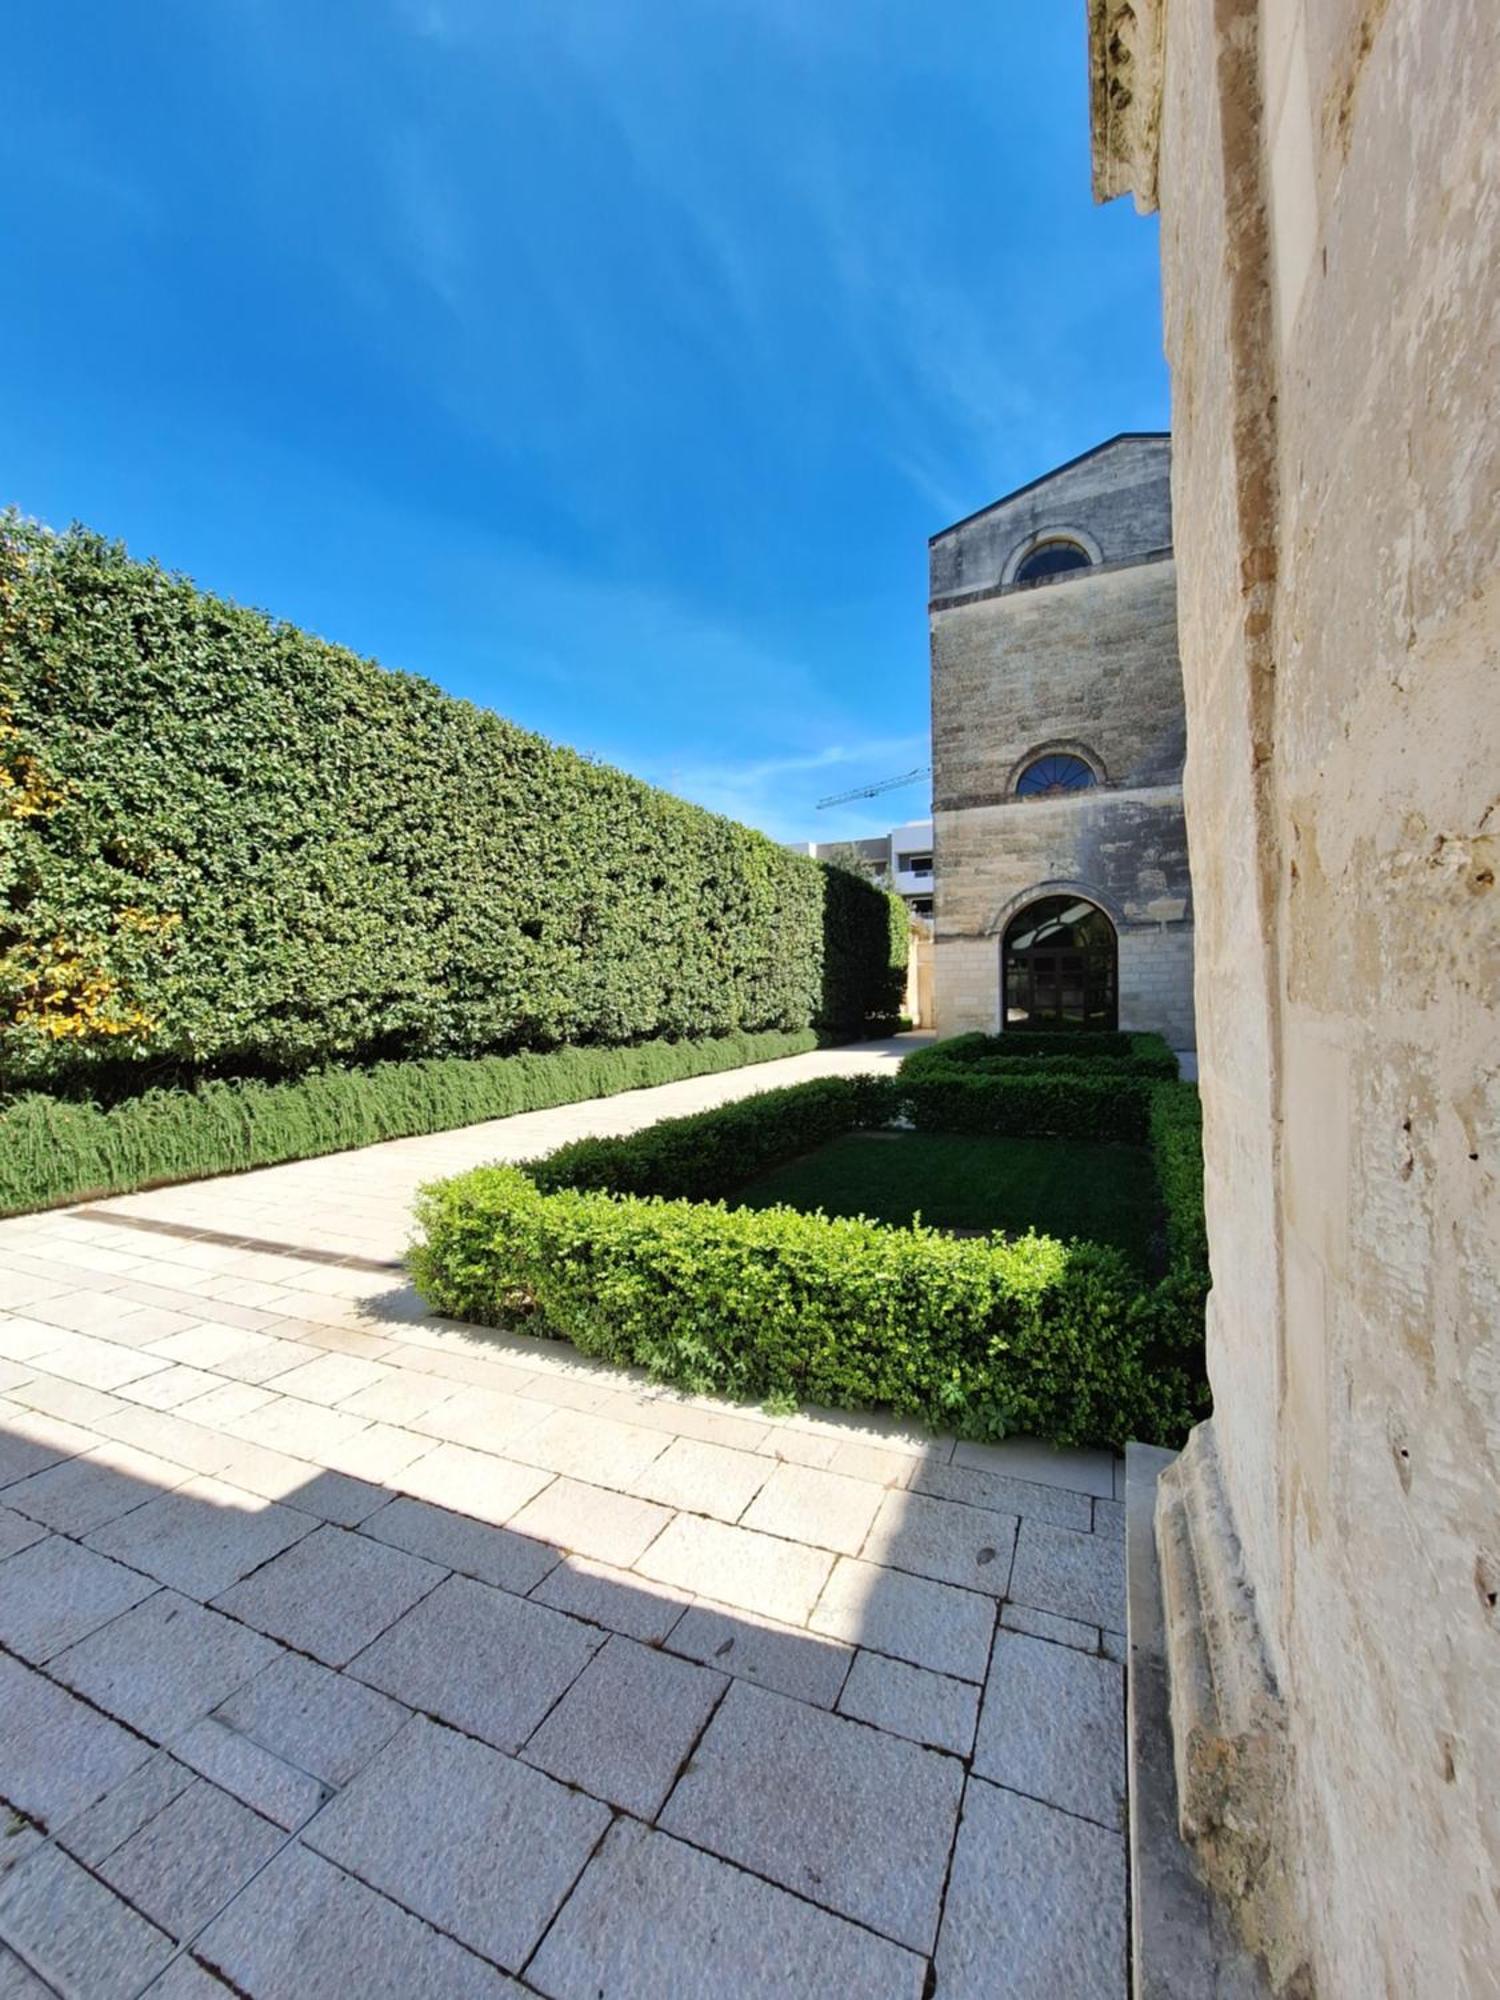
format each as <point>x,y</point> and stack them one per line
<point>899,860</point>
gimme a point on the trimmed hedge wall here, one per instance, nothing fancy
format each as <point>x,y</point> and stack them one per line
<point>602,1239</point>
<point>54,1151</point>
<point>228,847</point>
<point>1027,1055</point>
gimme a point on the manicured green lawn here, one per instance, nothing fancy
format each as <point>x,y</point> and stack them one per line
<point>1061,1187</point>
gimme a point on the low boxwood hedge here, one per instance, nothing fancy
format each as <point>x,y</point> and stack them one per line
<point>629,1248</point>
<point>55,1150</point>
<point>1018,1054</point>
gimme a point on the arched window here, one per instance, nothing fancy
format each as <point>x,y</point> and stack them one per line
<point>1053,774</point>
<point>1050,559</point>
<point>1058,966</point>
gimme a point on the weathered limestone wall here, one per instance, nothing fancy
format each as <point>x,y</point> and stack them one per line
<point>1126,850</point>
<point>1087,662</point>
<point>1330,189</point>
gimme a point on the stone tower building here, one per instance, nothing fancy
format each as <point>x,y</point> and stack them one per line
<point>1062,891</point>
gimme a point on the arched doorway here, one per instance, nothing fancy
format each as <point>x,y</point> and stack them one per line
<point>1058,966</point>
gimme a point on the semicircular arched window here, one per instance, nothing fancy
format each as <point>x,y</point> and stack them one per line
<point>1058,966</point>
<point>1050,559</point>
<point>1053,775</point>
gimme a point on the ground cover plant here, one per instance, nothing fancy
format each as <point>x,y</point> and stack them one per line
<point>228,847</point>
<point>55,1150</point>
<point>639,1251</point>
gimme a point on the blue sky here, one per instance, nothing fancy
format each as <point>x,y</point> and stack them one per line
<point>608,361</point>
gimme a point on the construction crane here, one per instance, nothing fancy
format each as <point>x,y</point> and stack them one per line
<point>869,791</point>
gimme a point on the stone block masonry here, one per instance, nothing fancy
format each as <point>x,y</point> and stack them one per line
<point>1083,662</point>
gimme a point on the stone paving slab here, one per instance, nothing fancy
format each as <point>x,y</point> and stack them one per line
<point>54,1593</point>
<point>548,1593</point>
<point>784,1658</point>
<point>612,1598</point>
<point>753,1572</point>
<point>969,1546</point>
<point>1035,1907</point>
<point>507,1559</point>
<point>868,1837</point>
<point>163,1666</point>
<point>1078,1576</point>
<point>275,1789</point>
<point>316,1720</point>
<point>1053,1726</point>
<point>304,1930</point>
<point>185,1864</point>
<point>824,1510</point>
<point>481,1660</point>
<point>77,1934</point>
<point>653,1918</point>
<point>482,1846</point>
<point>202,1537</point>
<point>911,1617</point>
<point>331,1594</point>
<point>911,1702</point>
<point>625,1727</point>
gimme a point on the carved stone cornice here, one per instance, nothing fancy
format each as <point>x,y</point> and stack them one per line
<point>1125,97</point>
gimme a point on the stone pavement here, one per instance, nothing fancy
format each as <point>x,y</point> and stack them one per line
<point>344,1650</point>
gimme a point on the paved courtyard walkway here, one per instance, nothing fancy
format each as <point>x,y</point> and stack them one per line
<point>347,1651</point>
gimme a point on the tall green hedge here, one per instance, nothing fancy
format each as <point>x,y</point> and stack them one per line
<point>228,847</point>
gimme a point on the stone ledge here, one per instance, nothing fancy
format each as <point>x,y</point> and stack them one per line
<point>1183,1944</point>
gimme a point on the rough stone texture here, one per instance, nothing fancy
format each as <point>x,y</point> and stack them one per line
<point>488,1663</point>
<point>652,1917</point>
<point>202,1537</point>
<point>164,1665</point>
<point>125,1809</point>
<point>475,1842</point>
<point>1076,1576</point>
<point>85,1492</point>
<point>1182,1940</point>
<point>975,1487</point>
<point>909,1701</point>
<point>275,1789</point>
<point>1045,1625</point>
<point>331,1594</point>
<point>931,1624</point>
<point>183,1866</point>
<point>54,1593</point>
<point>510,1560</point>
<point>323,1722</point>
<point>704,1478</point>
<point>612,1598</point>
<point>1328,191</point>
<point>17,1533</point>
<point>781,1657</point>
<point>624,1728</point>
<point>824,1509</point>
<point>76,1933</point>
<point>1087,662</point>
<point>970,1546</point>
<point>304,1930</point>
<point>753,1572</point>
<point>587,1521</point>
<point>1035,1907</point>
<point>1053,1726</point>
<point>869,1838</point>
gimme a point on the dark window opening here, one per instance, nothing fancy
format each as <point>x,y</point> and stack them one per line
<point>1051,776</point>
<point>1051,559</point>
<point>914,864</point>
<point>1058,966</point>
